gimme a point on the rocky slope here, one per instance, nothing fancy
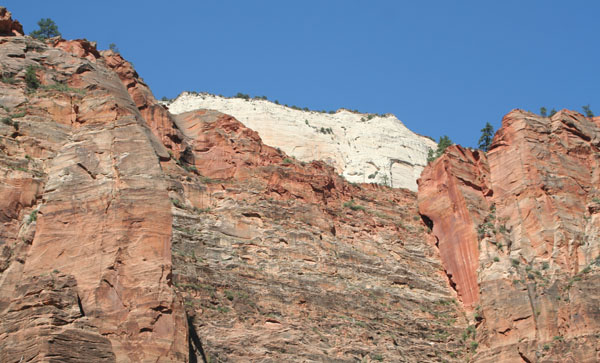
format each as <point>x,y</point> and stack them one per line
<point>388,153</point>
<point>131,235</point>
<point>518,234</point>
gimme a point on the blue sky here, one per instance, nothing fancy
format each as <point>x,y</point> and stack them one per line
<point>442,67</point>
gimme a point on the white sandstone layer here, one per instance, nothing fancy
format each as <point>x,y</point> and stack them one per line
<point>364,148</point>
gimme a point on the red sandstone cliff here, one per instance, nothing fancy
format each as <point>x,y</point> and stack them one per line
<point>518,235</point>
<point>129,235</point>
<point>132,235</point>
<point>85,213</point>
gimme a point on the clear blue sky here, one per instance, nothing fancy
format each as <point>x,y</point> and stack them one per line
<point>443,67</point>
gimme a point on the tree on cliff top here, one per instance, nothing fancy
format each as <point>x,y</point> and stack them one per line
<point>442,145</point>
<point>587,111</point>
<point>487,134</point>
<point>48,29</point>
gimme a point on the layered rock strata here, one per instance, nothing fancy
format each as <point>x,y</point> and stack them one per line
<point>524,221</point>
<point>280,260</point>
<point>133,236</point>
<point>388,153</point>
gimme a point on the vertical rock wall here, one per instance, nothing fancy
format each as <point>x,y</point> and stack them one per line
<point>531,217</point>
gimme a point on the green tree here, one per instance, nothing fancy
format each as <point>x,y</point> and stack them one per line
<point>552,112</point>
<point>543,112</point>
<point>48,29</point>
<point>442,145</point>
<point>587,111</point>
<point>113,47</point>
<point>487,133</point>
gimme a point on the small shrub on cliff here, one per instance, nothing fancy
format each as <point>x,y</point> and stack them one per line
<point>32,216</point>
<point>350,204</point>
<point>8,79</point>
<point>543,112</point>
<point>113,47</point>
<point>242,96</point>
<point>31,79</point>
<point>48,29</point>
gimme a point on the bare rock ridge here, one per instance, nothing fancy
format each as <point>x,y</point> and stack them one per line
<point>388,153</point>
<point>518,235</point>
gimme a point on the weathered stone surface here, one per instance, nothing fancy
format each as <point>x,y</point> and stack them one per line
<point>84,194</point>
<point>45,323</point>
<point>452,194</point>
<point>155,114</point>
<point>534,206</point>
<point>280,260</point>
<point>388,154</point>
<point>8,26</point>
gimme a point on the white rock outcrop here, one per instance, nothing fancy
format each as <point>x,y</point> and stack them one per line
<point>364,148</point>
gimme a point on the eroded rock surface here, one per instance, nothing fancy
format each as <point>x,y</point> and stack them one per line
<point>527,215</point>
<point>115,213</point>
<point>388,153</point>
<point>280,260</point>
<point>84,197</point>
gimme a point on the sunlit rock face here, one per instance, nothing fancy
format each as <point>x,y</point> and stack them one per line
<point>524,222</point>
<point>132,235</point>
<point>85,240</point>
<point>364,148</point>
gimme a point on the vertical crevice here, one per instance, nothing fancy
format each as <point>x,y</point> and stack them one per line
<point>524,358</point>
<point>194,343</point>
<point>80,305</point>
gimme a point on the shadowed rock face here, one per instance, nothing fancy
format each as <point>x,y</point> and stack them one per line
<point>8,26</point>
<point>526,220</point>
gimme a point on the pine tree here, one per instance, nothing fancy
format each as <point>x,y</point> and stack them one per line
<point>587,111</point>
<point>487,133</point>
<point>442,145</point>
<point>48,29</point>
<point>543,112</point>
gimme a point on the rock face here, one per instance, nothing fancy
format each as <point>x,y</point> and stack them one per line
<point>8,26</point>
<point>130,235</point>
<point>452,196</point>
<point>85,200</point>
<point>388,154</point>
<point>525,223</point>
<point>280,260</point>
